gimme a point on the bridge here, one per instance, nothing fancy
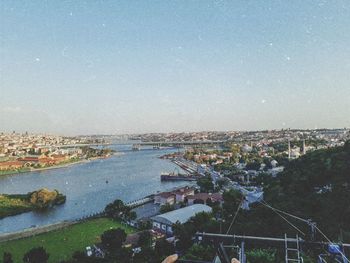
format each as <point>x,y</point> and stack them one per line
<point>81,145</point>
<point>180,143</point>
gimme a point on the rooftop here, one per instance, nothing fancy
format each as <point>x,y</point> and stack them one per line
<point>182,215</point>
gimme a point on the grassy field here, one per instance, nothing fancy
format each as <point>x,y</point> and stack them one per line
<point>60,244</point>
<point>14,204</point>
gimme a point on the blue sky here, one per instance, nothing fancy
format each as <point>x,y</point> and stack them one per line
<point>83,67</point>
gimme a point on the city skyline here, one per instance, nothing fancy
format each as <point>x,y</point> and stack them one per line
<point>114,68</point>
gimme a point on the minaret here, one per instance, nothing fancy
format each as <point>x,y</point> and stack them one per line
<point>288,148</point>
<point>304,147</point>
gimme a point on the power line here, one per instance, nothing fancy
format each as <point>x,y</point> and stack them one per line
<point>304,220</point>
<point>285,219</point>
<point>234,218</point>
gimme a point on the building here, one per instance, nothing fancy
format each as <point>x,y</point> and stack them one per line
<point>165,198</point>
<point>173,197</point>
<point>164,222</point>
<point>10,165</point>
<point>181,194</point>
<point>204,197</point>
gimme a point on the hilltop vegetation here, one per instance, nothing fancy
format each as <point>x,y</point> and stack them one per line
<point>20,203</point>
<point>315,186</point>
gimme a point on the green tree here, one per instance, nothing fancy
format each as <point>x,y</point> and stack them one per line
<point>7,258</point>
<point>36,255</point>
<point>166,208</point>
<point>147,255</point>
<point>113,239</point>
<point>232,200</point>
<point>145,239</point>
<point>118,210</point>
<point>163,249</point>
<point>206,185</point>
<point>261,256</point>
<point>124,255</point>
<point>184,233</point>
<point>200,252</point>
<point>254,165</point>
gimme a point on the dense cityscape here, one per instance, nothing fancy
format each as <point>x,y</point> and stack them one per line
<point>222,172</point>
<point>208,131</point>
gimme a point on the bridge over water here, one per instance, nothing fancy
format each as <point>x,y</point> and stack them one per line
<point>180,143</point>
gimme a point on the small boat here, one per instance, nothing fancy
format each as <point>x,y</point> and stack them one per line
<point>176,177</point>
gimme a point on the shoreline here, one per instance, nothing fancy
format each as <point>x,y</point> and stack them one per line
<point>58,166</point>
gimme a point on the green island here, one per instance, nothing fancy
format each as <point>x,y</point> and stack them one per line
<point>14,204</point>
<point>61,244</point>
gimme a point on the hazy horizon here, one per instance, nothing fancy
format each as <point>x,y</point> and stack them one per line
<point>126,67</point>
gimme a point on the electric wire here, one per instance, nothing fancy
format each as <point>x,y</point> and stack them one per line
<point>304,220</point>
<point>234,218</point>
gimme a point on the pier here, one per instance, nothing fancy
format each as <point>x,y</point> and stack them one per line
<point>140,202</point>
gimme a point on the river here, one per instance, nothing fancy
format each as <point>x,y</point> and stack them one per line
<point>90,186</point>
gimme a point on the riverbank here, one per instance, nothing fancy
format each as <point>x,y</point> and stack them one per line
<point>112,178</point>
<point>59,166</point>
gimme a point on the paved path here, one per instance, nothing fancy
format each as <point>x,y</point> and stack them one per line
<point>35,231</point>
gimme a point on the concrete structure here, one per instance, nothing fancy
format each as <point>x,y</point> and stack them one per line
<point>182,193</point>
<point>203,197</point>
<point>164,222</point>
<point>165,198</point>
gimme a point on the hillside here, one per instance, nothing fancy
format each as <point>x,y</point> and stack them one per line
<point>315,186</point>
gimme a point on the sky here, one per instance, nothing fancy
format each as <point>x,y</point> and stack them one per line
<point>113,67</point>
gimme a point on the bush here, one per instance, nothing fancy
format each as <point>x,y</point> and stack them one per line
<point>261,256</point>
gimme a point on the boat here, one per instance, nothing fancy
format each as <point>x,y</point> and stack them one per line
<point>176,177</point>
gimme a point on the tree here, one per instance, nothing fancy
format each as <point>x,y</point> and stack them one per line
<point>113,239</point>
<point>232,200</point>
<point>147,255</point>
<point>123,255</point>
<point>206,185</point>
<point>261,256</point>
<point>36,255</point>
<point>184,233</point>
<point>7,258</point>
<point>144,225</point>
<point>145,239</point>
<point>166,208</point>
<point>200,252</point>
<point>255,165</point>
<point>118,210</point>
<point>163,249</point>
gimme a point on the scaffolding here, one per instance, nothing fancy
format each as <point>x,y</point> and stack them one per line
<point>292,246</point>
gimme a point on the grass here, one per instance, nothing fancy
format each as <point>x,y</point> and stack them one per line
<point>14,204</point>
<point>21,170</point>
<point>61,244</point>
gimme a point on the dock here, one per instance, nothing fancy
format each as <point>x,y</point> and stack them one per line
<point>178,177</point>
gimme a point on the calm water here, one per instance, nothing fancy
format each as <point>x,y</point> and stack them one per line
<point>130,176</point>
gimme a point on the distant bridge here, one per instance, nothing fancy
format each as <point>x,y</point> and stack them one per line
<point>180,143</point>
<point>81,145</point>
